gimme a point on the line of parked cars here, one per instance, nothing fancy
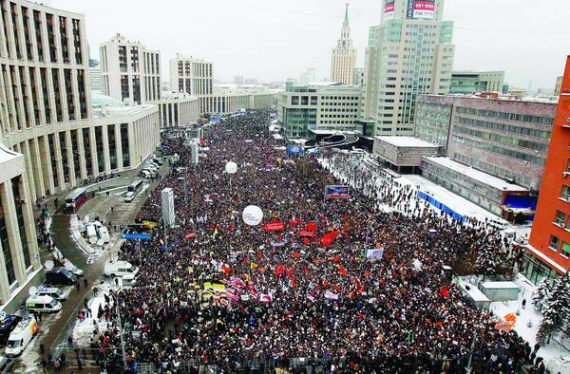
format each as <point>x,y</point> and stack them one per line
<point>17,330</point>
<point>152,167</point>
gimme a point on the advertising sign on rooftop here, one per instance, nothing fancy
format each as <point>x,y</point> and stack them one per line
<point>388,11</point>
<point>420,9</point>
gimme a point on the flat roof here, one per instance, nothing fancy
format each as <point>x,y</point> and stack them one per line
<point>405,141</point>
<point>477,175</point>
<point>7,154</point>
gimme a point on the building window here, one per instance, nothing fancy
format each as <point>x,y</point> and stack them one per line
<point>9,265</point>
<point>565,250</point>
<point>553,243</point>
<point>560,218</point>
<point>565,193</point>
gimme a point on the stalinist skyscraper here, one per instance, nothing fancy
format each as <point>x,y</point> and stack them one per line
<point>343,56</point>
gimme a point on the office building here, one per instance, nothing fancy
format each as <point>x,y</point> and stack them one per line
<point>95,76</point>
<point>51,137</point>
<point>308,77</point>
<point>178,109</point>
<point>191,75</point>
<point>228,103</point>
<point>130,72</point>
<point>358,78</point>
<point>408,54</point>
<point>504,137</point>
<point>343,59</point>
<point>548,252</point>
<point>476,81</point>
<point>318,107</point>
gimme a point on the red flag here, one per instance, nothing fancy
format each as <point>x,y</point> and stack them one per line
<point>336,287</point>
<point>296,255</point>
<point>444,291</point>
<point>226,269</point>
<point>306,241</point>
<point>342,270</point>
<point>311,226</point>
<point>279,270</point>
<point>336,259</point>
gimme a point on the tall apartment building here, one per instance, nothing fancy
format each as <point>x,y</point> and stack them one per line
<point>130,72</point>
<point>191,75</point>
<point>50,140</point>
<point>408,54</point>
<point>503,137</point>
<point>548,252</point>
<point>95,76</point>
<point>473,81</point>
<point>343,59</point>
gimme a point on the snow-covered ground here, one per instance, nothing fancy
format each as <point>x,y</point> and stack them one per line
<point>556,357</point>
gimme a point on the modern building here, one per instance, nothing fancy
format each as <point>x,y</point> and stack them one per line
<point>130,71</point>
<point>95,76</point>
<point>191,75</point>
<point>403,153</point>
<point>358,78</point>
<point>557,86</point>
<point>51,137</point>
<point>506,138</point>
<point>309,76</point>
<point>476,81</point>
<point>325,107</point>
<point>489,192</point>
<point>233,102</point>
<point>343,59</point>
<point>408,54</point>
<point>178,109</point>
<point>548,253</point>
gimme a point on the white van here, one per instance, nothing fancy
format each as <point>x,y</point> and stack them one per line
<point>22,335</point>
<point>91,234</point>
<point>54,292</point>
<point>43,303</point>
<point>121,269</point>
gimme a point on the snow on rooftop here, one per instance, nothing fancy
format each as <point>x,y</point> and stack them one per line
<point>405,141</point>
<point>6,154</point>
<point>477,175</point>
<point>499,285</point>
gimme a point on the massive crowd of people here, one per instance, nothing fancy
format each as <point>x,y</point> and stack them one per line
<point>219,292</point>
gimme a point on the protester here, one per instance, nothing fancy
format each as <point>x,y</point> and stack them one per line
<point>309,290</point>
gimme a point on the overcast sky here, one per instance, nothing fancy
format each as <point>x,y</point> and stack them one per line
<point>277,39</point>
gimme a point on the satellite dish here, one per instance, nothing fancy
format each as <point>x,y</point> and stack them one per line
<point>2,314</point>
<point>49,264</point>
<point>231,167</point>
<point>32,291</point>
<point>252,215</point>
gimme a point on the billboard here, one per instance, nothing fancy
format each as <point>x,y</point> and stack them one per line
<point>336,192</point>
<point>388,11</point>
<point>295,149</point>
<point>420,9</point>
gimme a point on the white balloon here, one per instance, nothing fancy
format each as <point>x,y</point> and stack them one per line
<point>231,167</point>
<point>252,215</point>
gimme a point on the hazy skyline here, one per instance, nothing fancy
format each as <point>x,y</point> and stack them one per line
<point>273,40</point>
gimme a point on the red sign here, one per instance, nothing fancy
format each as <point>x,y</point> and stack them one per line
<point>274,226</point>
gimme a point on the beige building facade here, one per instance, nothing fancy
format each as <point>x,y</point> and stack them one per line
<point>343,59</point>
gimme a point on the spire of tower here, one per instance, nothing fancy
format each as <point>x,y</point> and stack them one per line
<point>346,15</point>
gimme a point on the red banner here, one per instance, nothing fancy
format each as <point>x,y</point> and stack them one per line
<point>274,226</point>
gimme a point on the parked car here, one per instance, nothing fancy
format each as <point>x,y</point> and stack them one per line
<point>60,276</point>
<point>54,292</point>
<point>21,336</point>
<point>8,323</point>
<point>120,269</point>
<point>74,269</point>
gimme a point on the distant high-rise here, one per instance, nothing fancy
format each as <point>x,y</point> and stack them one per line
<point>130,71</point>
<point>191,75</point>
<point>343,56</point>
<point>308,76</point>
<point>408,54</point>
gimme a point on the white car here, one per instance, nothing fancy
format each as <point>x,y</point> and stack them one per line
<point>74,269</point>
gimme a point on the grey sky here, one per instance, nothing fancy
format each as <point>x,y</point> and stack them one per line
<point>277,39</point>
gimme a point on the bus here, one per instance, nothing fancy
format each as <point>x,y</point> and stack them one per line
<point>133,189</point>
<point>75,198</point>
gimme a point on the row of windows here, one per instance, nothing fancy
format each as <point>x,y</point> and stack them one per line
<point>500,150</point>
<point>340,104</point>
<point>544,134</point>
<point>505,140</point>
<point>555,246</point>
<point>506,115</point>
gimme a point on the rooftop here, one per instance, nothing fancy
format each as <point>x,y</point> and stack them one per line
<point>405,141</point>
<point>477,175</point>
